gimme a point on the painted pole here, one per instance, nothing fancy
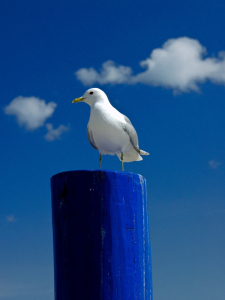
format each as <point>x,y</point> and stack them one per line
<point>101,236</point>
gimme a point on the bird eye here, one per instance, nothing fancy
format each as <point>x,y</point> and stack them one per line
<point>91,93</point>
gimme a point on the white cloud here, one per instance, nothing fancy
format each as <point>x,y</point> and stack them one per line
<point>179,65</point>
<point>11,218</point>
<point>110,73</point>
<point>31,112</point>
<point>54,134</point>
<point>213,164</point>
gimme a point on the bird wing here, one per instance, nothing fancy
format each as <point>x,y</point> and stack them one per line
<point>90,138</point>
<point>129,129</point>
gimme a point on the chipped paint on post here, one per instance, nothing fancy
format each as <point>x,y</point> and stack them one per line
<point>101,236</point>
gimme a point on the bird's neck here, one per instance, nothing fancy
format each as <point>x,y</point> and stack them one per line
<point>104,103</point>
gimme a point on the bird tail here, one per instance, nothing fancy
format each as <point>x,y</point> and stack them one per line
<point>130,156</point>
<point>133,155</point>
<point>143,152</point>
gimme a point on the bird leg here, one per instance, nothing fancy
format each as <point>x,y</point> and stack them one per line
<point>122,161</point>
<point>100,161</point>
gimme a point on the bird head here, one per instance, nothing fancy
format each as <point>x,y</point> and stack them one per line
<point>92,96</point>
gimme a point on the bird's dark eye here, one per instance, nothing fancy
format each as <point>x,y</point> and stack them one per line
<point>91,93</point>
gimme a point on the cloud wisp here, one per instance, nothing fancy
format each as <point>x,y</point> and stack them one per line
<point>31,112</point>
<point>213,164</point>
<point>54,134</point>
<point>11,218</point>
<point>181,64</point>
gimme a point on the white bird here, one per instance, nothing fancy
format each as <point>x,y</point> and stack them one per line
<point>109,131</point>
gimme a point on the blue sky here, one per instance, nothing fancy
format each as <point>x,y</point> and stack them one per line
<point>52,52</point>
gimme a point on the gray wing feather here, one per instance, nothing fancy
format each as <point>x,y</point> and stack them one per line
<point>90,138</point>
<point>129,129</point>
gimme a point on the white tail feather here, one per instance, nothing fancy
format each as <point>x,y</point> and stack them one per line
<point>143,152</point>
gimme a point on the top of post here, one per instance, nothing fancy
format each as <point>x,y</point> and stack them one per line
<point>102,173</point>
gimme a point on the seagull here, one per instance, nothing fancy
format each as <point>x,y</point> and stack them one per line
<point>109,131</point>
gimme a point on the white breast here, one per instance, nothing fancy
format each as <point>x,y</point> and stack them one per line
<point>106,125</point>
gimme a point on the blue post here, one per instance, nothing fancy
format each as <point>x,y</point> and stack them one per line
<point>101,236</point>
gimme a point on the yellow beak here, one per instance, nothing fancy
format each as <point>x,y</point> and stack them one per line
<point>78,100</point>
